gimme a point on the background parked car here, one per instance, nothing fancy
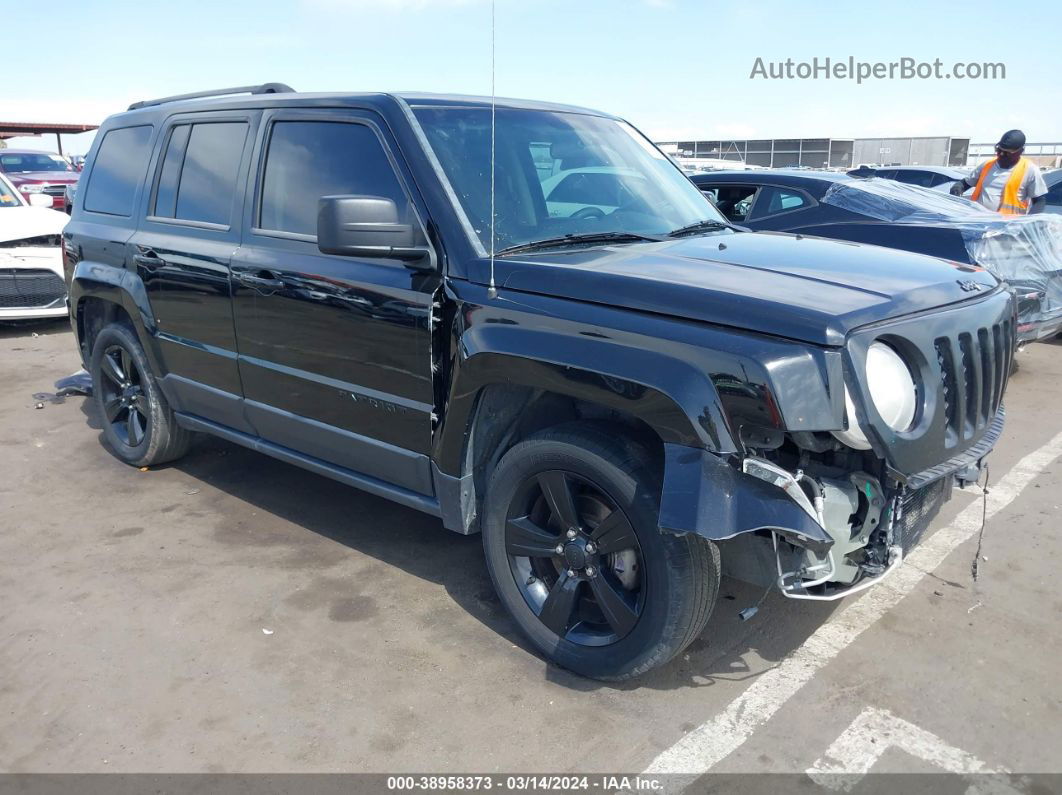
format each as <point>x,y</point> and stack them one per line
<point>31,265</point>
<point>1026,252</point>
<point>38,172</point>
<point>68,197</point>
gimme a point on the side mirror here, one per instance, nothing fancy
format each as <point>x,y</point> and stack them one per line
<point>367,226</point>
<point>39,200</point>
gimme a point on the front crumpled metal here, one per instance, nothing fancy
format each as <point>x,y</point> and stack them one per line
<point>1023,250</point>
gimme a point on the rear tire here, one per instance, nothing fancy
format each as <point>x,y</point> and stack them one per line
<point>138,423</point>
<point>573,546</point>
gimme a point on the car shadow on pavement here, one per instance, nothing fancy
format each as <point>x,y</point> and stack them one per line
<point>729,649</point>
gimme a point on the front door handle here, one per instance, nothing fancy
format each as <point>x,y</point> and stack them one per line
<point>262,280</point>
<point>149,260</point>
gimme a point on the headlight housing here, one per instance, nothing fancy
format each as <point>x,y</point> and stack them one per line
<point>893,390</point>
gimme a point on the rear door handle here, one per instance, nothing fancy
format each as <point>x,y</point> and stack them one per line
<point>262,280</point>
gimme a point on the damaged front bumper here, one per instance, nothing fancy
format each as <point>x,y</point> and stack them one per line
<point>815,534</point>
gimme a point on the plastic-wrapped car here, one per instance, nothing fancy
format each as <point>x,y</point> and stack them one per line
<point>1024,251</point>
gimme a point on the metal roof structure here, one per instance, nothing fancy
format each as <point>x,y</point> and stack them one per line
<point>15,129</point>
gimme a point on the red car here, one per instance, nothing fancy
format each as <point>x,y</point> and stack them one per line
<point>38,172</point>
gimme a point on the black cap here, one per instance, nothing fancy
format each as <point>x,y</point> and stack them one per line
<point>1012,140</point>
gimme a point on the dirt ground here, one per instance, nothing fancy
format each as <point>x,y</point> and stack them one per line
<point>234,613</point>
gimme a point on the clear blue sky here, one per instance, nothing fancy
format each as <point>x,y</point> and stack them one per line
<point>675,68</point>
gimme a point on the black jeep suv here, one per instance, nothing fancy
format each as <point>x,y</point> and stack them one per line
<point>523,319</point>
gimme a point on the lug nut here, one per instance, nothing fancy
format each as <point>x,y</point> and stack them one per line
<point>590,571</point>
<point>559,549</point>
<point>571,572</point>
<point>591,548</point>
<point>572,532</point>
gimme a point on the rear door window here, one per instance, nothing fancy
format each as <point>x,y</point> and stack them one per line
<point>198,177</point>
<point>119,166</point>
<point>774,200</point>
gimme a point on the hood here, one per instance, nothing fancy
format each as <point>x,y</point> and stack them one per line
<point>54,177</point>
<point>804,288</point>
<point>19,223</point>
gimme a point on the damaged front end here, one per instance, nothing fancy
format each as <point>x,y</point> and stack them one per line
<point>823,514</point>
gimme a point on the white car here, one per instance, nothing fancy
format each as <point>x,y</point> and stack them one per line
<point>32,284</point>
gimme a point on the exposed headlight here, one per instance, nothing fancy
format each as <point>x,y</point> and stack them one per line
<point>891,386</point>
<point>893,390</point>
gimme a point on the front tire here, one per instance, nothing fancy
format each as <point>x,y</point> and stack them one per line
<point>138,423</point>
<point>574,549</point>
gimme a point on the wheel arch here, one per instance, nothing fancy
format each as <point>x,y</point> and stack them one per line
<point>503,389</point>
<point>100,295</point>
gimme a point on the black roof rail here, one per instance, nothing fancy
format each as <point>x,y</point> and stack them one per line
<point>264,88</point>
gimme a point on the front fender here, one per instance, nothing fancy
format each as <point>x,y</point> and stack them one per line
<point>678,401</point>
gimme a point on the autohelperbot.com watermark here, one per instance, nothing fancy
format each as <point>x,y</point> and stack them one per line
<point>862,71</point>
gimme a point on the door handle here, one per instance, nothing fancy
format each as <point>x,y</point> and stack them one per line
<point>262,280</point>
<point>149,260</point>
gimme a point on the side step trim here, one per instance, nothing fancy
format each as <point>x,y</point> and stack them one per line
<point>367,483</point>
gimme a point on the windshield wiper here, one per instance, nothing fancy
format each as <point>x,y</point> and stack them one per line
<point>700,226</point>
<point>568,240</point>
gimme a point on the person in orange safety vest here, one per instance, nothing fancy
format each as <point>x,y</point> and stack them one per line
<point>1011,184</point>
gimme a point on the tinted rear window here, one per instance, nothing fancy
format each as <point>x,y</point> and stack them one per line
<point>118,169</point>
<point>208,179</point>
<point>199,170</point>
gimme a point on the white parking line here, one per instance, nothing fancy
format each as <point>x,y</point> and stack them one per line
<point>874,731</point>
<point>704,747</point>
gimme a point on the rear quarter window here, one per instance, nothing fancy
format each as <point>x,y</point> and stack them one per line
<point>119,167</point>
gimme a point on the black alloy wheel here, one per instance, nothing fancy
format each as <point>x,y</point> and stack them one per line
<point>125,403</point>
<point>573,543</point>
<point>575,558</point>
<point>138,423</point>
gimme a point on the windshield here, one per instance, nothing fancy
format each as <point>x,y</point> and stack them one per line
<point>13,163</point>
<point>559,174</point>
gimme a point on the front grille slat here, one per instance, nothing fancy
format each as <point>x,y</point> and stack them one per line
<point>963,397</point>
<point>999,357</point>
<point>949,391</point>
<point>971,356</point>
<point>986,356</point>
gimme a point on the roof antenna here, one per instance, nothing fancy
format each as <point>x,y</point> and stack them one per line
<point>492,290</point>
